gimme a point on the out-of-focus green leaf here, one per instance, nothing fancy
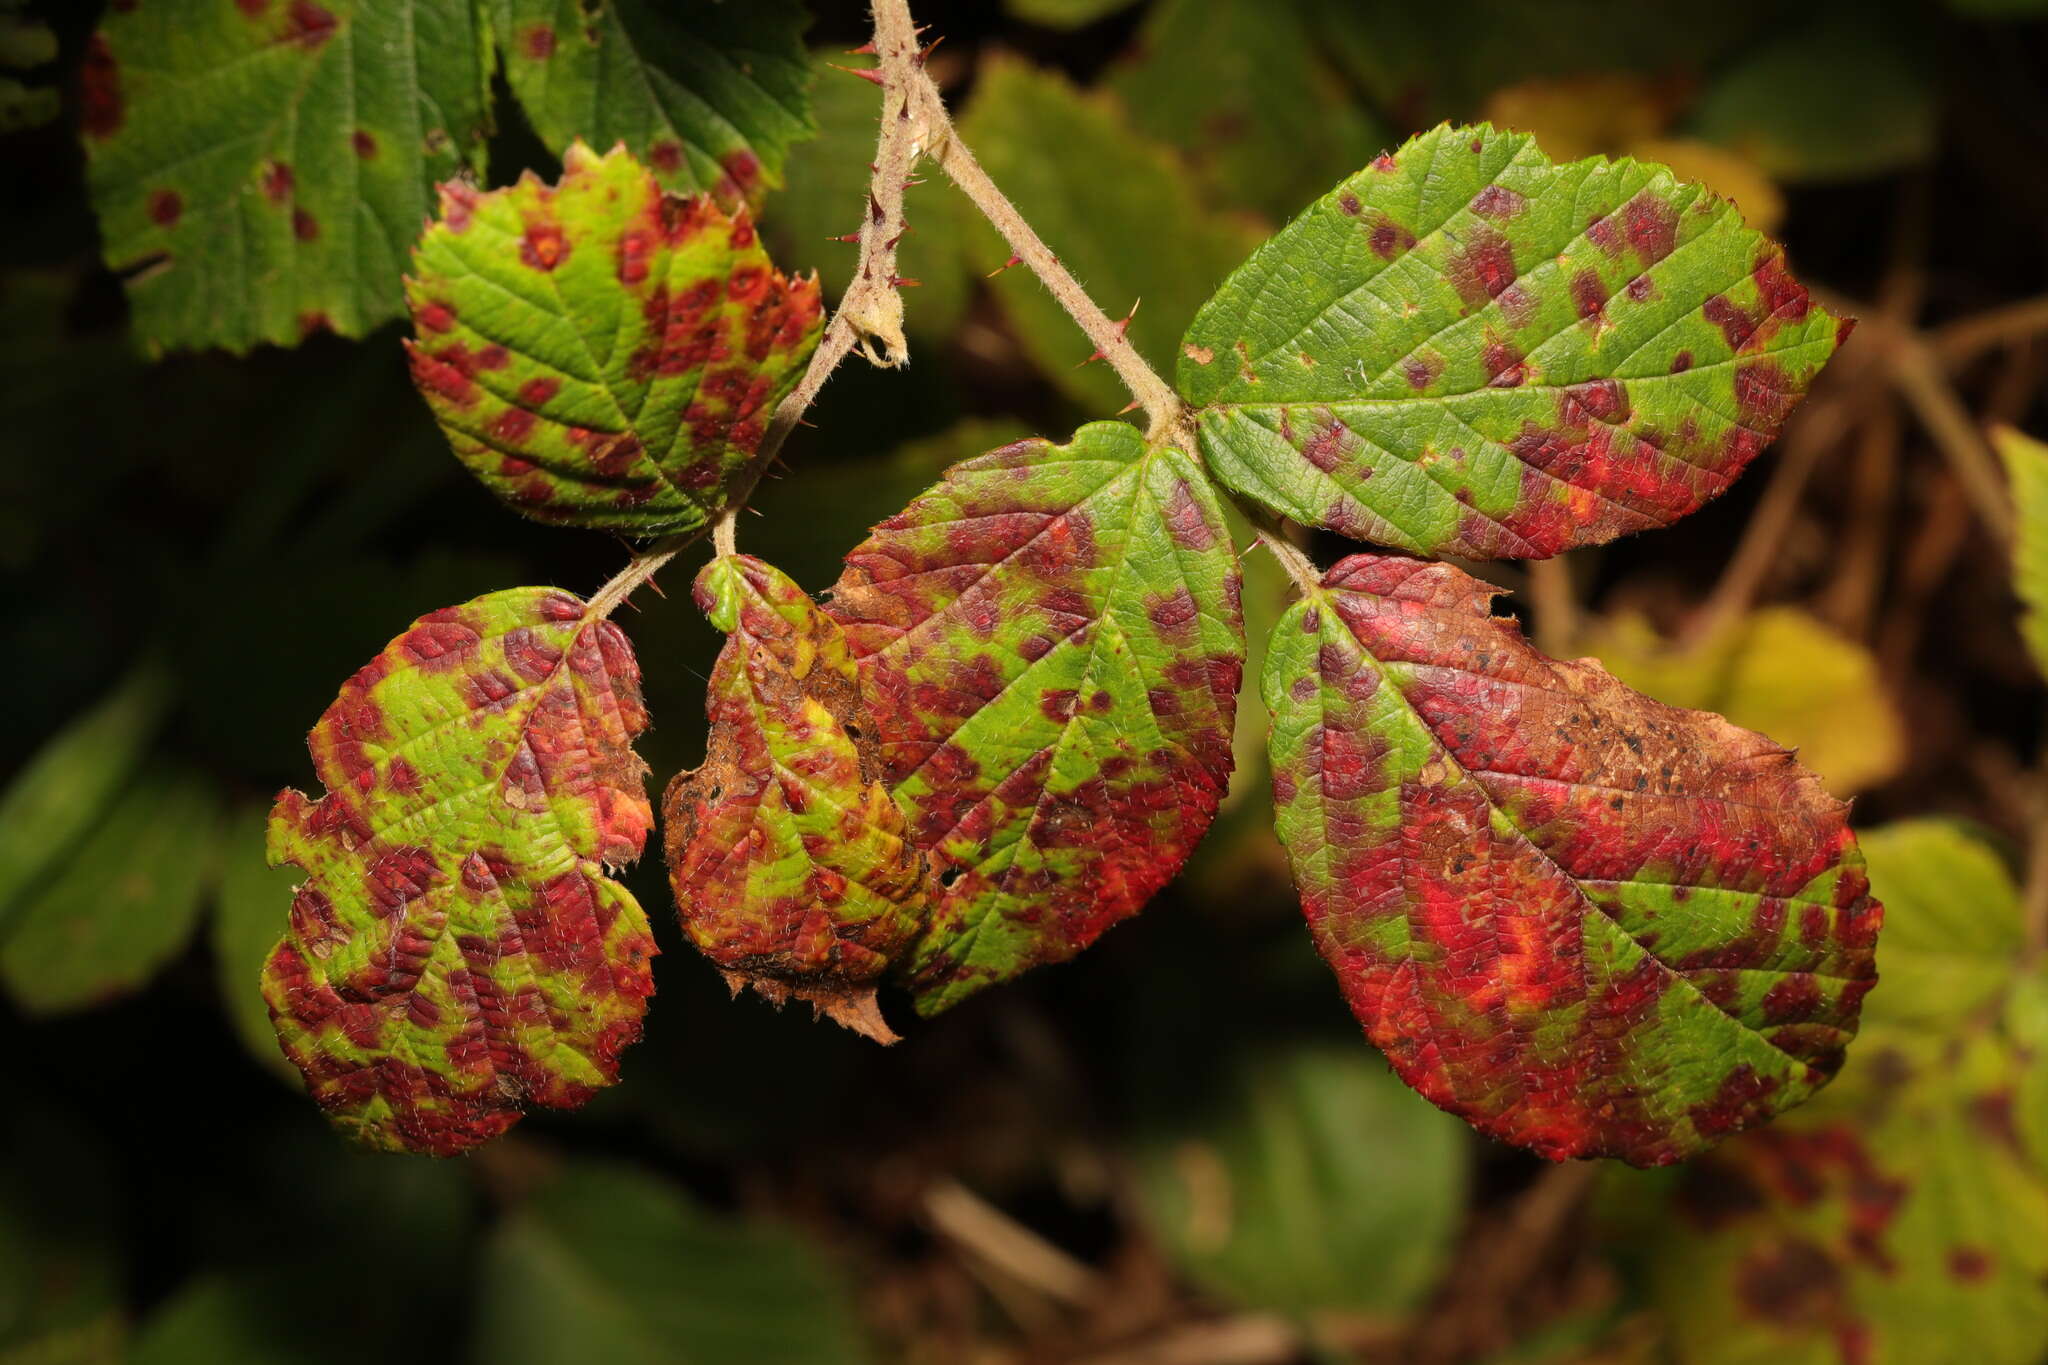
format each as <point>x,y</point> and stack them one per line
<point>710,93</point>
<point>1318,1183</point>
<point>1241,89</point>
<point>260,169</point>
<point>2026,468</point>
<point>1777,670</point>
<point>1123,218</point>
<point>239,1319</point>
<point>610,1266</point>
<point>122,902</point>
<point>1952,924</point>
<point>65,788</point>
<point>60,1253</point>
<point>1064,13</point>
<point>827,194</point>
<point>1848,94</point>
<point>1901,1217</point>
<point>247,910</point>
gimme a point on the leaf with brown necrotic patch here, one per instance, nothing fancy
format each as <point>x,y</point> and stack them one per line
<point>791,866</point>
<point>458,950</point>
<point>1051,643</point>
<point>599,353</point>
<point>1589,923</point>
<point>1468,349</point>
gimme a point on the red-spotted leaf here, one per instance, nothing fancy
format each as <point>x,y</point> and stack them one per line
<point>600,353</point>
<point>1051,644</point>
<point>458,951</point>
<point>1589,923</point>
<point>258,165</point>
<point>1467,349</point>
<point>790,863</point>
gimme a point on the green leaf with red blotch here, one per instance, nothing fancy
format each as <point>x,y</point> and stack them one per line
<point>792,868</point>
<point>1050,643</point>
<point>710,95</point>
<point>600,353</point>
<point>258,166</point>
<point>1903,1216</point>
<point>458,950</point>
<point>1467,349</point>
<point>1587,922</point>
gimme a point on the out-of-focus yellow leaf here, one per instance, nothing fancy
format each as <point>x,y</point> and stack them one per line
<point>2026,466</point>
<point>1723,170</point>
<point>1578,116</point>
<point>1777,670</point>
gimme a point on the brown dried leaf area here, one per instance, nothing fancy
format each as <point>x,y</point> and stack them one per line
<point>458,951</point>
<point>791,865</point>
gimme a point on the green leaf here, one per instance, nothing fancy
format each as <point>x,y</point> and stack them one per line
<point>609,1266</point>
<point>1123,218</point>
<point>1319,1183</point>
<point>600,354</point>
<point>123,903</point>
<point>2026,469</point>
<point>258,165</point>
<point>1050,644</point>
<point>458,948</point>
<point>65,789</point>
<point>1952,922</point>
<point>827,194</point>
<point>245,932</point>
<point>1586,922</point>
<point>792,868</point>
<point>1064,14</point>
<point>709,93</point>
<point>1241,89</point>
<point>1777,670</point>
<point>1466,349</point>
<point>1836,97</point>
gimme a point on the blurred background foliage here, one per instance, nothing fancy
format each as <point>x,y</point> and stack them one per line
<point>1177,1148</point>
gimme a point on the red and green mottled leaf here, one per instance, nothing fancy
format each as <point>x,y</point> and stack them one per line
<point>458,950</point>
<point>708,93</point>
<point>1051,643</point>
<point>259,165</point>
<point>1587,922</point>
<point>600,353</point>
<point>1466,349</point>
<point>791,865</point>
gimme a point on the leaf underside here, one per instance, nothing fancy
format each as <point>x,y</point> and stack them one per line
<point>1588,923</point>
<point>261,167</point>
<point>710,96</point>
<point>458,950</point>
<point>1050,643</point>
<point>1466,349</point>
<point>791,866</point>
<point>601,354</point>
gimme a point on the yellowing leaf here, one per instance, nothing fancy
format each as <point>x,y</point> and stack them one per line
<point>2026,466</point>
<point>1777,670</point>
<point>1599,114</point>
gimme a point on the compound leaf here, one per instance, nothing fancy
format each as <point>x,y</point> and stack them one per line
<point>599,353</point>
<point>1467,349</point>
<point>2026,468</point>
<point>710,95</point>
<point>1051,644</point>
<point>1587,922</point>
<point>124,901</point>
<point>791,866</point>
<point>259,166</point>
<point>458,948</point>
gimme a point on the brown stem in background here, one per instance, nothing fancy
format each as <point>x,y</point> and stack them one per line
<point>1556,603</point>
